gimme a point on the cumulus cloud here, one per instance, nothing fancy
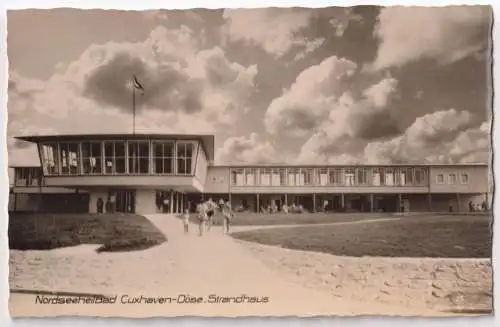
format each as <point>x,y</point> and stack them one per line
<point>446,34</point>
<point>188,89</point>
<point>251,149</point>
<point>447,136</point>
<point>307,102</point>
<point>276,30</point>
<point>351,122</point>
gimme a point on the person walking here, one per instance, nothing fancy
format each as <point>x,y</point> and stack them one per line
<point>210,212</point>
<point>228,216</point>
<point>100,205</point>
<point>201,215</point>
<point>185,220</point>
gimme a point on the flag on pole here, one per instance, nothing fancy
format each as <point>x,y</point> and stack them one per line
<point>137,85</point>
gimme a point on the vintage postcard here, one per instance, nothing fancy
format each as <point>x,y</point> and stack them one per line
<point>250,162</point>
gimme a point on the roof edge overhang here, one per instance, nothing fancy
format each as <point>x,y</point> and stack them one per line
<point>207,140</point>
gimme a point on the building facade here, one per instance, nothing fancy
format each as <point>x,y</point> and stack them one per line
<point>145,173</point>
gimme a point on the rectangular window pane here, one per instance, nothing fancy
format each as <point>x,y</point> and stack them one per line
<point>283,176</point>
<point>250,176</point>
<point>120,157</point>
<point>109,158</point>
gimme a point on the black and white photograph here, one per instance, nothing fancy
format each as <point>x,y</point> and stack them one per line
<point>280,162</point>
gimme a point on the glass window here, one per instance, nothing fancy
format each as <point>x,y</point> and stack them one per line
<point>49,155</point>
<point>185,158</point>
<point>299,177</point>
<point>409,176</point>
<point>283,176</point>
<point>163,157</point>
<point>349,177</point>
<point>335,176</point>
<point>138,157</point>
<point>389,177</point>
<point>92,157</point>
<point>21,177</point>
<point>323,176</point>
<point>250,176</point>
<point>275,177</point>
<point>376,177</point>
<point>307,174</point>
<point>362,176</point>
<point>440,178</point>
<point>292,172</point>
<point>120,157</point>
<point>238,176</point>
<point>452,178</point>
<point>265,176</point>
<point>420,176</point>
<point>70,155</point>
<point>464,178</point>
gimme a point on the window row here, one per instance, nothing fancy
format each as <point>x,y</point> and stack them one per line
<point>329,176</point>
<point>118,157</point>
<point>28,176</point>
<point>452,179</point>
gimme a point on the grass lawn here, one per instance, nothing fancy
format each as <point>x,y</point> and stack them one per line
<point>114,232</point>
<point>440,236</point>
<point>254,219</point>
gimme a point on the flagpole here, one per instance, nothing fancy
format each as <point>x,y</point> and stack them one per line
<point>133,110</point>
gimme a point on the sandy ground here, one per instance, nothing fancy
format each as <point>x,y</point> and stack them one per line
<point>295,283</point>
<point>437,284</point>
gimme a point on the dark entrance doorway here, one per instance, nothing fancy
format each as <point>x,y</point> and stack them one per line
<point>125,201</point>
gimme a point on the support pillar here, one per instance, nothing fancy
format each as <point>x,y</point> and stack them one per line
<point>342,201</point>
<point>400,204</point>
<point>179,208</point>
<point>182,203</point>
<point>286,199</point>
<point>371,202</point>
<point>314,202</point>
<point>257,206</point>
<point>171,202</point>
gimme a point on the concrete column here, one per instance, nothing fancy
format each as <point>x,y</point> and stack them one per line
<point>182,202</point>
<point>145,201</point>
<point>178,202</point>
<point>171,201</point>
<point>258,203</point>
<point>399,203</point>
<point>371,202</point>
<point>314,202</point>
<point>286,199</point>
<point>342,200</point>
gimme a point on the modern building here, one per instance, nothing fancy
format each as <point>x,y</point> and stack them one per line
<point>148,173</point>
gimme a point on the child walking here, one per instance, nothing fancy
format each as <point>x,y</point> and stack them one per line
<point>185,220</point>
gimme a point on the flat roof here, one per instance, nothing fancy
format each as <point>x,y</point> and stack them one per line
<point>207,140</point>
<point>272,165</point>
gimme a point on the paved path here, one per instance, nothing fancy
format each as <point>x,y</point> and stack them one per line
<point>215,265</point>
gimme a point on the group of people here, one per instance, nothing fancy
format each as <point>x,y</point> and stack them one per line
<point>205,212</point>
<point>110,204</point>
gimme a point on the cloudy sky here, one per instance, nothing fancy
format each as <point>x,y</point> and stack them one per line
<point>331,85</point>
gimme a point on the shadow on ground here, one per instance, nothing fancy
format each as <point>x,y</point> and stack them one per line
<point>114,232</point>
